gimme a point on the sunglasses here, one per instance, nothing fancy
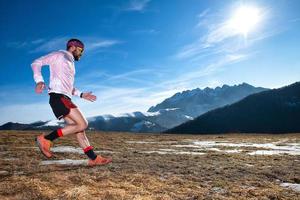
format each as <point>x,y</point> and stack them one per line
<point>80,49</point>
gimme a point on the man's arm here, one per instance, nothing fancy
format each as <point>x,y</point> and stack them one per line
<point>38,63</point>
<point>37,68</point>
<point>85,95</point>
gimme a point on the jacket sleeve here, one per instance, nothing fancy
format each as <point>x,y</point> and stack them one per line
<point>38,63</point>
<point>76,92</point>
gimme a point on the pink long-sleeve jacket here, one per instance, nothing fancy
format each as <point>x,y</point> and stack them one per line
<point>62,72</point>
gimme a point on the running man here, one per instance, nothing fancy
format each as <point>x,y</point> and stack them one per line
<point>61,90</point>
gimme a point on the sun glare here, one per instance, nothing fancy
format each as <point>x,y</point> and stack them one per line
<point>245,19</point>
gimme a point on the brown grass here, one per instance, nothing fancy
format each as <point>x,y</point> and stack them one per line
<point>139,176</point>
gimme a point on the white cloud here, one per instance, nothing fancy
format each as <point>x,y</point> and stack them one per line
<point>38,41</point>
<point>146,31</point>
<point>203,13</point>
<point>137,5</point>
<point>113,100</point>
<point>131,74</point>
<point>135,76</point>
<point>51,45</point>
<point>57,43</point>
<point>91,45</point>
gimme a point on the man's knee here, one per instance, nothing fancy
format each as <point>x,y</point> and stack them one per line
<point>82,125</point>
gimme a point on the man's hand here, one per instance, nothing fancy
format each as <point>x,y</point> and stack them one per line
<point>89,96</point>
<point>40,86</point>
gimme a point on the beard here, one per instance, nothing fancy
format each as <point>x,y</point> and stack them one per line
<point>76,56</point>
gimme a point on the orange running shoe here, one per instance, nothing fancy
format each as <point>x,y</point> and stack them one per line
<point>44,145</point>
<point>99,161</point>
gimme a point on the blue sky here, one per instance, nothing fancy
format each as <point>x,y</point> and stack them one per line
<point>139,52</point>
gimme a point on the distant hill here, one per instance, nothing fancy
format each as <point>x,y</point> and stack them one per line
<point>40,125</point>
<point>273,111</point>
<point>14,126</point>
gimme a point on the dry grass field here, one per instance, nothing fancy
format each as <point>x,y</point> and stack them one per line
<point>153,166</point>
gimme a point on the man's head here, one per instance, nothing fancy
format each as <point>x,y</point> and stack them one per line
<point>75,47</point>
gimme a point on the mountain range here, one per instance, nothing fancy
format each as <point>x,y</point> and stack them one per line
<point>180,108</point>
<point>272,111</point>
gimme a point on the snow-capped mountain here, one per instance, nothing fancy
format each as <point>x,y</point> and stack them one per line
<point>196,102</point>
<point>272,111</point>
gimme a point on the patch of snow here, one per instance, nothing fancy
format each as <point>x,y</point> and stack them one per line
<point>233,151</point>
<point>272,148</point>
<point>3,172</point>
<point>213,149</point>
<point>141,142</point>
<point>151,114</point>
<point>189,153</point>
<point>188,117</point>
<point>168,150</point>
<point>54,122</point>
<point>8,159</point>
<point>149,124</point>
<point>150,152</point>
<point>133,114</point>
<point>218,190</point>
<point>290,148</point>
<point>172,151</point>
<point>293,186</point>
<point>67,149</point>
<point>186,146</point>
<point>138,126</point>
<point>19,173</point>
<point>168,142</point>
<point>151,142</point>
<point>105,117</point>
<point>274,152</point>
<point>171,109</point>
<point>64,162</point>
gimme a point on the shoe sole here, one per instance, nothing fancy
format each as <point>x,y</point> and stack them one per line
<point>93,165</point>
<point>40,147</point>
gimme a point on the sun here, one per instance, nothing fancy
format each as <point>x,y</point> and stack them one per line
<point>245,19</point>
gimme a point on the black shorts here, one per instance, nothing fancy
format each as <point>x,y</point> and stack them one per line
<point>60,104</point>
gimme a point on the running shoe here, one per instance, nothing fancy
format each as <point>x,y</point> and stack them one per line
<point>44,145</point>
<point>99,161</point>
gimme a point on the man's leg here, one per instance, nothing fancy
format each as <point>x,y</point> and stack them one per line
<point>73,119</point>
<point>77,122</point>
<point>81,136</point>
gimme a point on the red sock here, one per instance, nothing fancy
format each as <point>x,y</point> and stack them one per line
<point>54,135</point>
<point>90,153</point>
